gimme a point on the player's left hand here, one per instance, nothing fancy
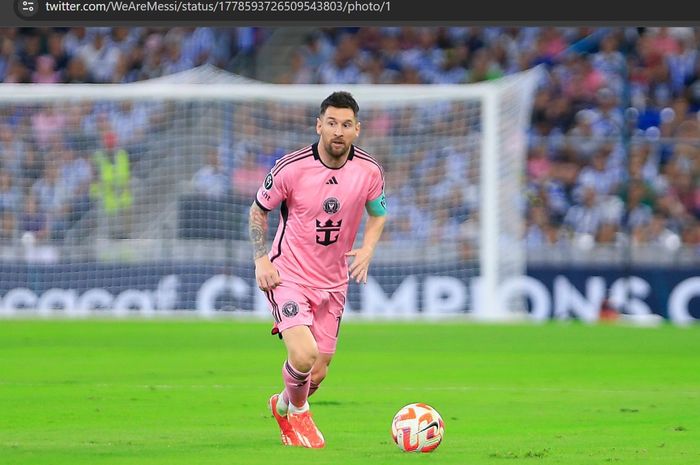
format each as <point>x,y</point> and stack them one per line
<point>360,264</point>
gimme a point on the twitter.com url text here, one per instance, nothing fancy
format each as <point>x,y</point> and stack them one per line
<point>218,6</point>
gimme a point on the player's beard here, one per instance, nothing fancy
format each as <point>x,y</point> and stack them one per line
<point>335,152</point>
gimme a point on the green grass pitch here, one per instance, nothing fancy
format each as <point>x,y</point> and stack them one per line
<point>194,392</point>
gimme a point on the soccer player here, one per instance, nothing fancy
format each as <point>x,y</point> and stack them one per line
<point>322,190</point>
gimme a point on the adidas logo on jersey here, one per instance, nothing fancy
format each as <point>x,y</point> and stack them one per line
<point>332,180</point>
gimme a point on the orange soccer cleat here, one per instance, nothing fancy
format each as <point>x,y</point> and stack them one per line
<point>306,430</point>
<point>287,433</point>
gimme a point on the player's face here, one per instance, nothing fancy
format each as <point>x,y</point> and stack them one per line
<point>338,129</point>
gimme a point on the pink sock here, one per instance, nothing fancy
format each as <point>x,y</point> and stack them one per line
<point>312,388</point>
<point>296,384</point>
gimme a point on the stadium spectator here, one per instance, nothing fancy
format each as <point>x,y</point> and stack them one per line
<point>660,233</point>
<point>208,210</point>
<point>246,175</point>
<point>580,141</point>
<point>600,174</point>
<point>55,49</point>
<point>609,60</point>
<point>375,72</point>
<point>245,181</point>
<point>690,236</point>
<point>607,120</point>
<point>299,72</point>
<point>74,39</point>
<point>76,174</point>
<point>33,220</point>
<point>112,187</point>
<point>268,152</point>
<point>53,200</point>
<point>152,65</point>
<point>77,73</point>
<point>16,72</point>
<point>538,164</point>
<point>11,152</point>
<point>125,38</point>
<point>608,234</point>
<point>637,213</point>
<point>29,49</point>
<point>212,180</point>
<point>468,240</point>
<point>174,60</point>
<point>48,125</point>
<point>482,67</point>
<point>461,203</point>
<point>8,225</point>
<point>200,46</point>
<point>584,217</point>
<point>317,49</point>
<point>344,67</point>
<point>130,122</point>
<point>7,55</point>
<point>99,55</point>
<point>444,227</point>
<point>539,230</point>
<point>399,232</point>
<point>45,72</point>
<point>32,167</point>
<point>10,205</point>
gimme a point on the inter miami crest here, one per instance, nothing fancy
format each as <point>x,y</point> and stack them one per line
<point>268,181</point>
<point>331,205</point>
<point>290,309</point>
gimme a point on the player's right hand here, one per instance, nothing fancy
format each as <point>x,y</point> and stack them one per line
<point>266,275</point>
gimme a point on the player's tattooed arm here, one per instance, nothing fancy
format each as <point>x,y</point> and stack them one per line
<point>257,230</point>
<point>266,275</point>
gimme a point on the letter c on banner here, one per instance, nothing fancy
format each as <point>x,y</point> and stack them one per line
<point>679,298</point>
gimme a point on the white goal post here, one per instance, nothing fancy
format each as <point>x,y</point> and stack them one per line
<point>453,156</point>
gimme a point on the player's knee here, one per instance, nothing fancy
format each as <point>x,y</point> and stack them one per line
<point>303,359</point>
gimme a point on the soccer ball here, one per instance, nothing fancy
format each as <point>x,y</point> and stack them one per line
<point>417,428</point>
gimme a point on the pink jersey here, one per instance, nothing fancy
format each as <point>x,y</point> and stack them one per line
<point>321,210</point>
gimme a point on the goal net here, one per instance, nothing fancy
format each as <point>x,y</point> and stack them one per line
<point>133,198</point>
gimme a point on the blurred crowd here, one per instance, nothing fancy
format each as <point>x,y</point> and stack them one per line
<point>613,149</point>
<point>119,54</point>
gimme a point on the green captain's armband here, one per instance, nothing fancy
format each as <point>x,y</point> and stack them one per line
<point>377,207</point>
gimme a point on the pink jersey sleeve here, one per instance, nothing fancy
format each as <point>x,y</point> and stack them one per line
<point>273,190</point>
<point>376,186</point>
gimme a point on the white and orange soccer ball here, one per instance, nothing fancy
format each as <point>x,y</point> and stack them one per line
<point>417,428</point>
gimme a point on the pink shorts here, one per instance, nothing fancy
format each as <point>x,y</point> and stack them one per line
<point>294,304</point>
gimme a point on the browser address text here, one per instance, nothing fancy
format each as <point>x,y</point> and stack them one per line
<point>219,6</point>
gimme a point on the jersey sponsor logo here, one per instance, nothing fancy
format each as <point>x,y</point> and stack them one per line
<point>331,205</point>
<point>327,230</point>
<point>332,180</point>
<point>268,181</point>
<point>290,309</point>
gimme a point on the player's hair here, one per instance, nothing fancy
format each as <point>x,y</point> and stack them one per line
<point>340,99</point>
